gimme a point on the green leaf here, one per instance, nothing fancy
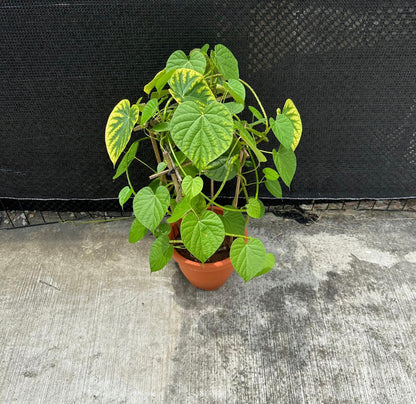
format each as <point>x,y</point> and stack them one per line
<point>255,208</point>
<point>149,207</point>
<point>137,231</point>
<point>270,174</point>
<point>161,166</point>
<point>202,236</point>
<point>217,169</point>
<point>268,264</point>
<point>234,107</point>
<point>149,86</point>
<point>257,114</point>
<point>248,257</point>
<point>205,48</point>
<point>234,222</point>
<point>192,186</point>
<point>119,126</point>
<point>124,195</point>
<point>293,114</point>
<point>162,80</point>
<point>282,128</point>
<point>226,62</point>
<point>127,159</point>
<point>285,162</point>
<point>190,170</point>
<point>198,204</point>
<point>249,141</point>
<point>149,110</point>
<point>274,188</point>
<point>162,229</point>
<point>160,253</point>
<point>188,85</point>
<point>178,60</point>
<point>236,89</point>
<point>180,210</point>
<point>203,134</point>
<point>162,127</point>
<point>154,184</point>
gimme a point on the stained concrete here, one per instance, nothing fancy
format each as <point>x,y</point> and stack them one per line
<point>84,321</point>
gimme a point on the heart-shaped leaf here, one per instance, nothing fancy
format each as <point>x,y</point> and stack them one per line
<point>236,89</point>
<point>283,129</point>
<point>178,60</point>
<point>192,186</point>
<point>137,231</point>
<point>203,134</point>
<point>293,114</point>
<point>268,264</point>
<point>226,62</point>
<point>149,207</point>
<point>119,126</point>
<point>248,258</point>
<point>274,188</point>
<point>127,159</point>
<point>124,195</point>
<point>160,253</point>
<point>188,85</point>
<point>255,208</point>
<point>202,236</point>
<point>234,222</point>
<point>285,162</point>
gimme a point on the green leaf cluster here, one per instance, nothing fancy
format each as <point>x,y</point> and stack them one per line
<point>193,120</point>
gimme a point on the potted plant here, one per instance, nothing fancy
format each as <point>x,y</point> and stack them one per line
<point>194,122</point>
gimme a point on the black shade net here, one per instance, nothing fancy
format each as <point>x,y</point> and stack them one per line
<point>349,66</point>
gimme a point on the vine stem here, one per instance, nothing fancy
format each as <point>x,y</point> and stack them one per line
<point>142,162</point>
<point>221,206</point>
<point>237,187</point>
<point>238,235</point>
<point>128,180</point>
<point>258,102</point>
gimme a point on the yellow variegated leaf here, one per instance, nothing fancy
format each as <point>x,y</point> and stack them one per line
<point>189,85</point>
<point>292,113</point>
<point>119,126</point>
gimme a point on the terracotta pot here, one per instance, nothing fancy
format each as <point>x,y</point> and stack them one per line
<point>210,276</point>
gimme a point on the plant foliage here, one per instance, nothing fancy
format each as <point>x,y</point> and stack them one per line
<point>201,140</point>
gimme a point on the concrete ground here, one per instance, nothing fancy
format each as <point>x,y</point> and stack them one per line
<point>84,321</point>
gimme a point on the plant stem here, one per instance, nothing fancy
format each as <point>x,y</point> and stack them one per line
<point>238,235</point>
<point>256,173</point>
<point>128,180</point>
<point>258,101</point>
<point>153,176</point>
<point>237,187</point>
<point>221,206</point>
<point>173,176</point>
<point>156,151</point>
<point>141,161</point>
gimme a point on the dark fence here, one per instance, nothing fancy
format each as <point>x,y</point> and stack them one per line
<point>350,67</point>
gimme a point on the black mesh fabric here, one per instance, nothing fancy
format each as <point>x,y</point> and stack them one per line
<point>349,66</point>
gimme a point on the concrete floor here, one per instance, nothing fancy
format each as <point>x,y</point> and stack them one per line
<point>84,321</point>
